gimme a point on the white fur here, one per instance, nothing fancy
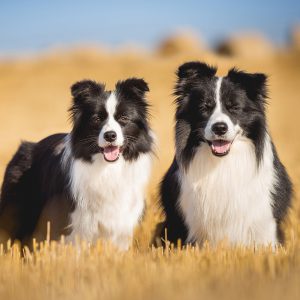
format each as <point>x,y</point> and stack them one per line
<point>219,116</point>
<point>111,124</point>
<point>109,198</point>
<point>229,198</point>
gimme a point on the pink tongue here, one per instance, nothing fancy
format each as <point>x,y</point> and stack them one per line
<point>220,146</point>
<point>111,153</point>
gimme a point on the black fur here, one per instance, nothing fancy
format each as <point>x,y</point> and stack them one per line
<point>32,177</point>
<point>169,190</point>
<point>243,97</point>
<point>37,175</point>
<point>282,195</point>
<point>89,115</point>
<point>131,95</point>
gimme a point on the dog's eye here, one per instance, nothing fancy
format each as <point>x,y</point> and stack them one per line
<point>123,119</point>
<point>209,105</point>
<point>206,107</point>
<point>96,120</point>
<point>232,107</point>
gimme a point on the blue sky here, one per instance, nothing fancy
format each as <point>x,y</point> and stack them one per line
<point>34,25</point>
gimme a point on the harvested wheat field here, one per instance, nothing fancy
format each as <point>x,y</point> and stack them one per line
<point>34,98</point>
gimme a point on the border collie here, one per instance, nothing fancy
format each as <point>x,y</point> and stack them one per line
<point>89,183</point>
<point>226,181</point>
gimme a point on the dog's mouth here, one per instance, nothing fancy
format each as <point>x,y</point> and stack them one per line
<point>111,153</point>
<point>220,147</point>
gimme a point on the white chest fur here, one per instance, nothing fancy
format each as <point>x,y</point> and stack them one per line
<point>229,198</point>
<point>109,198</point>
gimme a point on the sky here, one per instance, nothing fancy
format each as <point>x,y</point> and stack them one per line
<point>36,25</point>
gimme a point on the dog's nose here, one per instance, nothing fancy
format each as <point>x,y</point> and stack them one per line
<point>219,128</point>
<point>110,136</point>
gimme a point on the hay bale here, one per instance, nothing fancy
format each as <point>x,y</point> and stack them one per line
<point>295,37</point>
<point>245,45</point>
<point>179,43</point>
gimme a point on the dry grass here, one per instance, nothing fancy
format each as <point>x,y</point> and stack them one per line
<point>34,97</point>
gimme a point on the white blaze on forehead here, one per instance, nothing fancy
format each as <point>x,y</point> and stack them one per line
<point>111,123</point>
<point>218,109</point>
<point>218,94</point>
<point>219,116</point>
<point>111,104</point>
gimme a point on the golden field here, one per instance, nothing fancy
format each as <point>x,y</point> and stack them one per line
<point>34,98</point>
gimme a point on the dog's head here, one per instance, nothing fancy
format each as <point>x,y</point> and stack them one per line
<point>217,111</point>
<point>111,123</point>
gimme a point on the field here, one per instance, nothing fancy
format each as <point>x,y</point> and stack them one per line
<point>34,98</point>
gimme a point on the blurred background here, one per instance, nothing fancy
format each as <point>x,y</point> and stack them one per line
<point>28,27</point>
<point>45,46</point>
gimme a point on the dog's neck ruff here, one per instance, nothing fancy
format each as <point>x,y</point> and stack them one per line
<point>229,197</point>
<point>108,197</point>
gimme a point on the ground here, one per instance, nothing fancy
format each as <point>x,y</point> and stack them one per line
<point>34,98</point>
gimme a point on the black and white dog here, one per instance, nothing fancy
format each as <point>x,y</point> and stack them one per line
<point>90,183</point>
<point>226,181</point>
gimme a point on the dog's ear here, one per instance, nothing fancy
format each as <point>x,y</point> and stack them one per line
<point>133,87</point>
<point>83,91</point>
<point>195,69</point>
<point>189,74</point>
<point>254,84</point>
<point>84,94</point>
